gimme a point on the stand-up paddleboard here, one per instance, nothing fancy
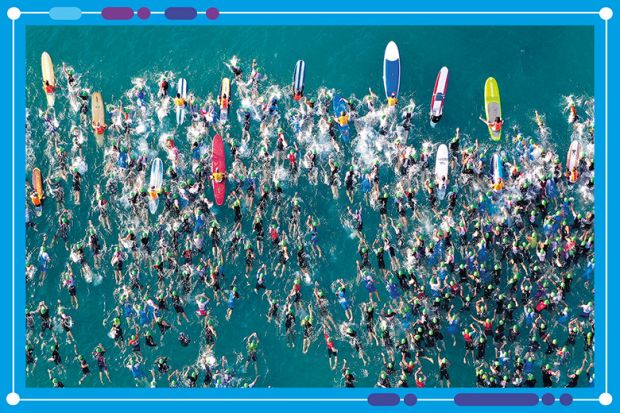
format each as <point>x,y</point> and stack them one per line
<point>224,105</point>
<point>299,77</point>
<point>47,69</point>
<point>442,162</point>
<point>439,96</point>
<point>37,182</point>
<point>181,110</point>
<point>155,184</point>
<point>391,70</point>
<point>497,168</point>
<point>492,105</point>
<point>340,106</point>
<point>218,164</point>
<point>572,161</point>
<point>98,115</point>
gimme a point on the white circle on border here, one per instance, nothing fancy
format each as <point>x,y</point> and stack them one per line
<point>605,399</point>
<point>13,13</point>
<point>12,399</point>
<point>606,13</point>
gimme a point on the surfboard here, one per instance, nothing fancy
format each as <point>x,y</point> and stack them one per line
<point>37,182</point>
<point>218,163</point>
<point>340,105</point>
<point>497,168</point>
<point>180,110</point>
<point>299,77</point>
<point>572,160</point>
<point>439,96</point>
<point>155,183</point>
<point>97,112</point>
<point>47,69</point>
<point>442,162</point>
<point>492,105</point>
<point>391,70</point>
<point>224,90</point>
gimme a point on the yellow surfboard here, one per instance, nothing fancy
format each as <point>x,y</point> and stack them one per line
<point>97,114</point>
<point>226,87</point>
<point>47,69</point>
<point>492,105</point>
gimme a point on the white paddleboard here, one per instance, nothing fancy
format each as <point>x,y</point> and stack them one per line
<point>47,70</point>
<point>498,167</point>
<point>155,182</point>
<point>572,158</point>
<point>439,96</point>
<point>299,76</point>
<point>442,162</point>
<point>224,90</point>
<point>180,110</point>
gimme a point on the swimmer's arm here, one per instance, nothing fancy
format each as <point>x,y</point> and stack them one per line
<point>173,374</point>
<point>315,292</point>
<point>359,270</point>
<point>254,382</point>
<point>574,323</point>
<point>477,321</point>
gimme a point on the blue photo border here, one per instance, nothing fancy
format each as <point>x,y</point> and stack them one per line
<point>323,12</point>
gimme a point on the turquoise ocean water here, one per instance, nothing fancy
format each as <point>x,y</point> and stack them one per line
<point>536,67</point>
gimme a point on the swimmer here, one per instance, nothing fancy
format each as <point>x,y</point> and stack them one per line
<point>332,352</point>
<point>252,344</point>
<point>392,100</point>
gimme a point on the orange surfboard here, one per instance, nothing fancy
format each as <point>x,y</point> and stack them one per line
<point>37,182</point>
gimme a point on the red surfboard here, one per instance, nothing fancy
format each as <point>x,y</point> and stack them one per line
<point>218,164</point>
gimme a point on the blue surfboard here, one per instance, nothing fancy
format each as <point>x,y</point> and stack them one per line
<point>340,105</point>
<point>391,70</point>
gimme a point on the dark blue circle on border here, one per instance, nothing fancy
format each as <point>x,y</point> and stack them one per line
<point>548,399</point>
<point>566,399</point>
<point>410,399</point>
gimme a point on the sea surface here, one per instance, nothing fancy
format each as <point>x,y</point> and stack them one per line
<point>536,69</point>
